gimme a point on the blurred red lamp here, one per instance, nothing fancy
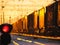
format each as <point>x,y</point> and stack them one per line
<point>5,28</point>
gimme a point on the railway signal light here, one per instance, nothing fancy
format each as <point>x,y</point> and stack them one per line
<point>5,29</point>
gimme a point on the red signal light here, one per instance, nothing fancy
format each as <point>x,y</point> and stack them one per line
<point>5,28</point>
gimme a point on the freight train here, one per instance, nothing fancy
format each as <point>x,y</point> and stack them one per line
<point>45,21</point>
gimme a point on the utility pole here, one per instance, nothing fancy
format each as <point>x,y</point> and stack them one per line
<point>3,11</point>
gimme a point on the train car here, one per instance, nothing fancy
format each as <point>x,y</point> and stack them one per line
<point>44,22</point>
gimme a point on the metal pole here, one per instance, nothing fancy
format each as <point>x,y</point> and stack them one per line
<point>3,18</point>
<point>3,11</point>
